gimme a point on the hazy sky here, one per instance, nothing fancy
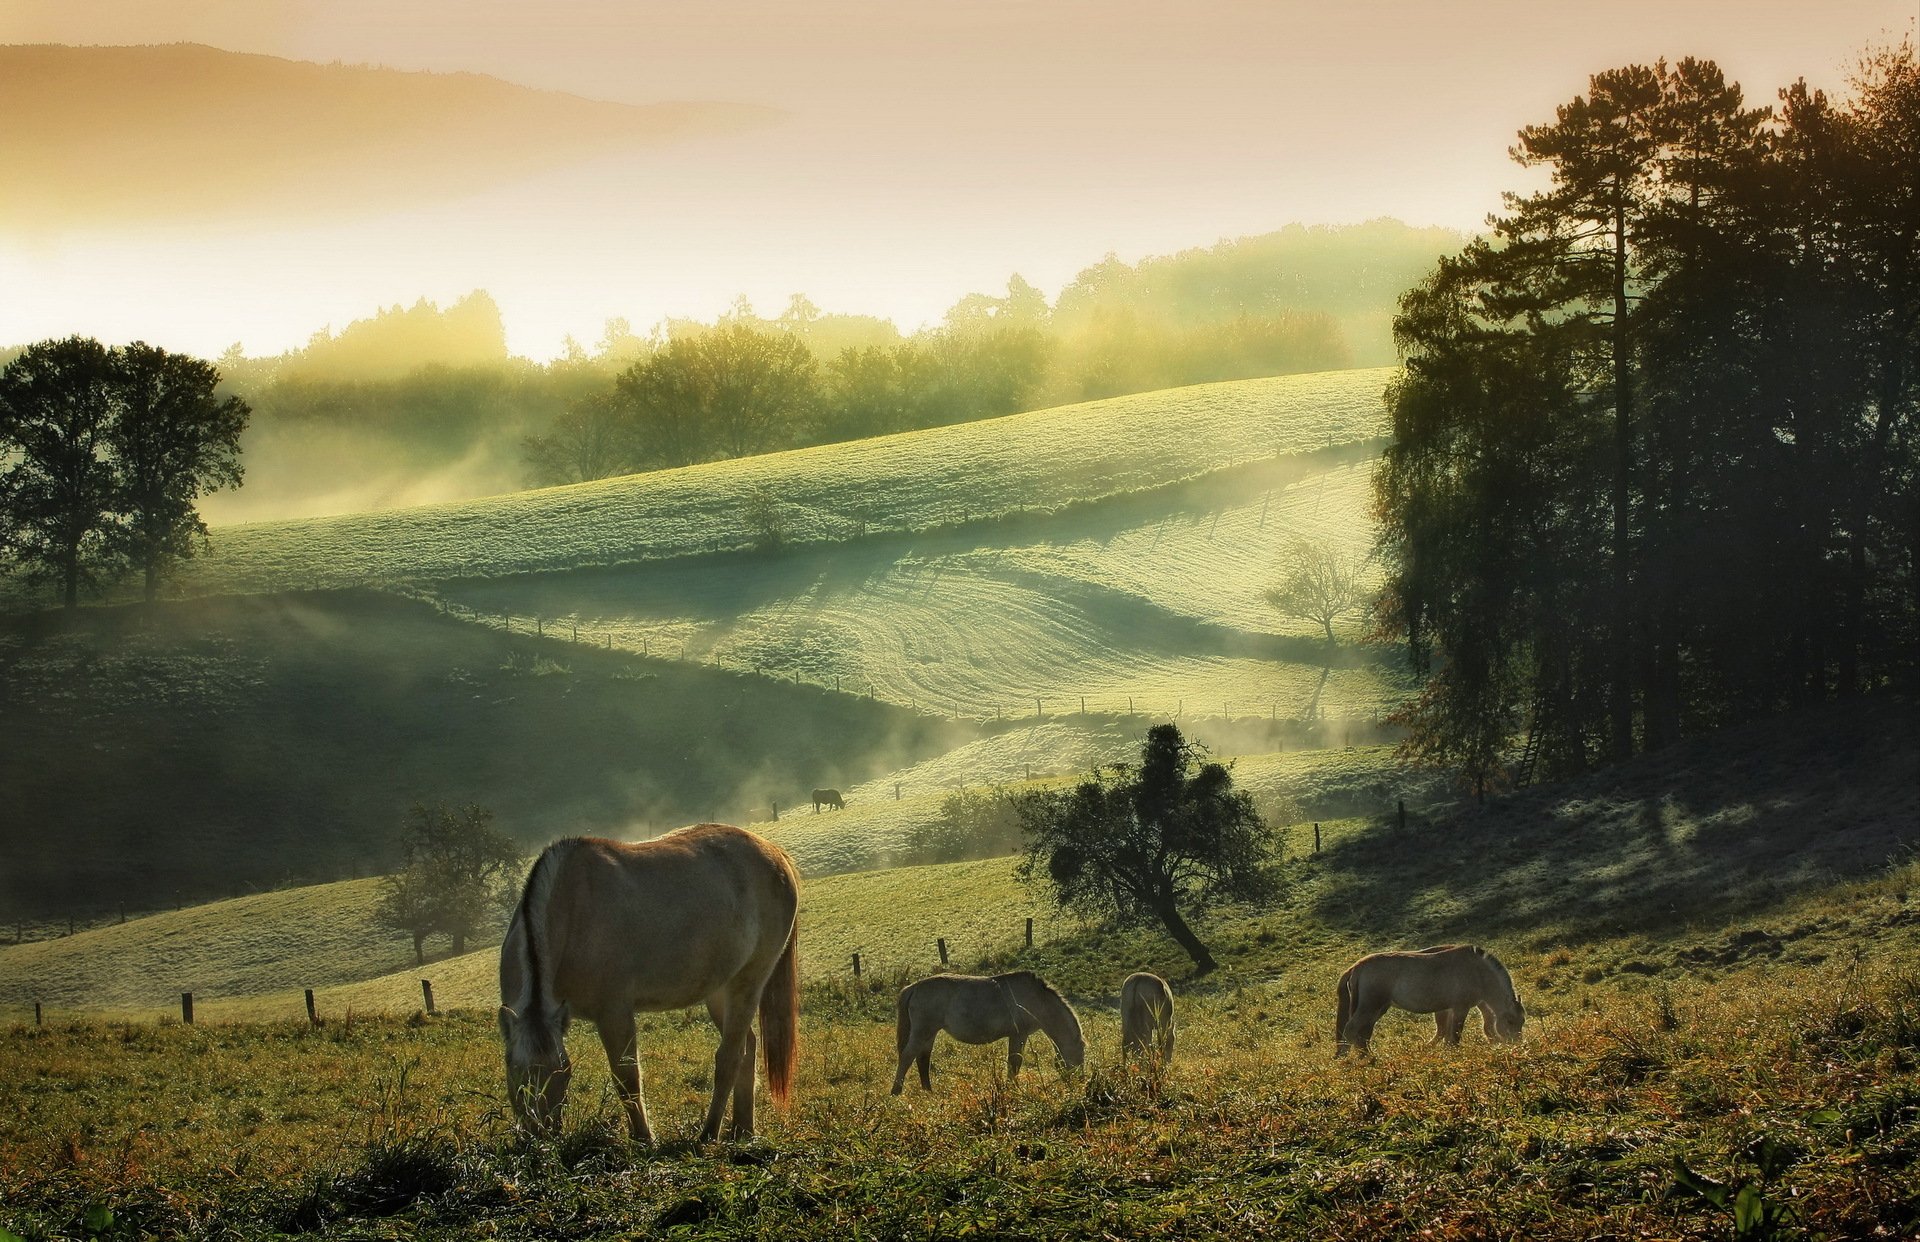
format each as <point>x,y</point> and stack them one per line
<point>928,148</point>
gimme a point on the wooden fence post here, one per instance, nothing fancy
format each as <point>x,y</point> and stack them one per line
<point>36,1013</point>
<point>540,627</point>
<point>856,965</point>
<point>1036,705</point>
<point>186,1008</point>
<point>942,942</point>
<point>313,1015</point>
<point>896,791</point>
<point>1316,836</point>
<point>1403,814</point>
<point>1083,705</point>
<point>426,991</point>
<point>576,631</point>
<point>776,812</point>
<point>1029,931</point>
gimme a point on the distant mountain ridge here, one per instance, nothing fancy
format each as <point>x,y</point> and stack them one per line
<point>107,135</point>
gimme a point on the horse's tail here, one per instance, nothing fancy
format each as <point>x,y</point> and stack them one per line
<point>1343,1010</point>
<point>902,1020</point>
<point>780,1020</point>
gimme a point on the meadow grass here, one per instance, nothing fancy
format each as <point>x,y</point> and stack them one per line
<point>1797,1083</point>
<point>1046,459</point>
<point>1145,604</point>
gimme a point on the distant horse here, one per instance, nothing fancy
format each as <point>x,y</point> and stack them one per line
<point>828,797</point>
<point>1446,981</point>
<point>605,928</point>
<point>977,1010</point>
<point>1146,1018</point>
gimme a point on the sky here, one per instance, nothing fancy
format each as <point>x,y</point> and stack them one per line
<point>921,150</point>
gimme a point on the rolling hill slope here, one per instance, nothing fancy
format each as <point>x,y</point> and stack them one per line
<point>913,481</point>
<point>217,746</point>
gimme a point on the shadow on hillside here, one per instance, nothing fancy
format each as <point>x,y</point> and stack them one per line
<point>1711,830</point>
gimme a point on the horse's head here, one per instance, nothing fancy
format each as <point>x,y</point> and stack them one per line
<point>538,1069</point>
<point>1504,1020</point>
<point>1067,1037</point>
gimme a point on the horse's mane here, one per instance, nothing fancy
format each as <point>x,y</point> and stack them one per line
<point>1499,967</point>
<point>1028,977</point>
<point>533,914</point>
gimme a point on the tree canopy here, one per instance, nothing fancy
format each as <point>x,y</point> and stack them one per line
<point>1653,457</point>
<point>103,453</point>
<point>458,876</point>
<point>1150,843</point>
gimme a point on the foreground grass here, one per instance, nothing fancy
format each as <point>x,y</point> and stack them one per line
<point>1799,1084</point>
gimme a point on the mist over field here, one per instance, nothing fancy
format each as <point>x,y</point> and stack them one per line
<point>1338,587</point>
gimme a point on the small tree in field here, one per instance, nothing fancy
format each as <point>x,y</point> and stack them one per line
<point>1321,585</point>
<point>458,876</point>
<point>1143,844</point>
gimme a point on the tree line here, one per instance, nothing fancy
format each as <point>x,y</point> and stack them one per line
<point>103,453</point>
<point>425,389</point>
<point>1654,464</point>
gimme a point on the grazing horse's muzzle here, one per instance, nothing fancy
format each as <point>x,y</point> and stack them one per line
<point>538,1072</point>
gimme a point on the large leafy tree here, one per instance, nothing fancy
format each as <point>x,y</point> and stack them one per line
<point>56,418</point>
<point>1150,843</point>
<point>457,877</point>
<point>1652,447</point>
<point>172,438</point>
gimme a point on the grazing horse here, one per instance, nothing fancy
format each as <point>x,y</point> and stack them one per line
<point>1446,981</point>
<point>1146,1018</point>
<point>828,797</point>
<point>606,928</point>
<point>977,1010</point>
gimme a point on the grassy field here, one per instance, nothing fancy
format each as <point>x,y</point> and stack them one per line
<point>1143,604</point>
<point>1722,995</point>
<point>221,746</point>
<point>914,481</point>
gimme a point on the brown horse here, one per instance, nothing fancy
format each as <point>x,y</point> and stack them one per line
<point>1446,981</point>
<point>1146,1018</point>
<point>977,1010</point>
<point>606,928</point>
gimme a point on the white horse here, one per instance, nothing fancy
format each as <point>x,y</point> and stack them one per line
<point>1146,1018</point>
<point>980,1010</point>
<point>606,928</point>
<point>1446,981</point>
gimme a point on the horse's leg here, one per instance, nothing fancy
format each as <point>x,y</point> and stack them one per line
<point>925,1062</point>
<point>741,1126</point>
<point>915,1049</point>
<point>735,1017</point>
<point>1359,1029</point>
<point>623,1058</point>
<point>1016,1046</point>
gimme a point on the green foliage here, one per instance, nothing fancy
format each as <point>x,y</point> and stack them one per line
<point>105,452</point>
<point>457,880</point>
<point>766,518</point>
<point>1647,473</point>
<point>1140,843</point>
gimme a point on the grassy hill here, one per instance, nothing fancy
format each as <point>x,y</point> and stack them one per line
<point>217,746</point>
<point>1143,604</point>
<point>1046,460</point>
<point>1715,947</point>
<point>250,956</point>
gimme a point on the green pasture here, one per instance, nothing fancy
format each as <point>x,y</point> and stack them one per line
<point>914,481</point>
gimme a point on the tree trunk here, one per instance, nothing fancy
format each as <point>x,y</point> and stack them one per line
<point>1169,914</point>
<point>70,574</point>
<point>419,957</point>
<point>459,943</point>
<point>153,577</point>
<point>1621,709</point>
